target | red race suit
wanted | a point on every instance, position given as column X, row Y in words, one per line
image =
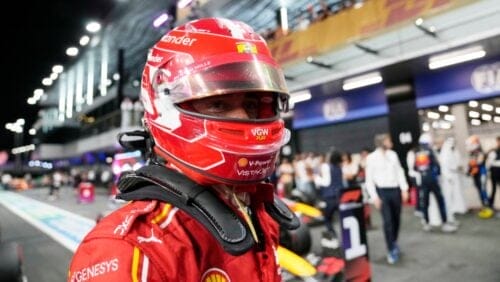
column 156, row 241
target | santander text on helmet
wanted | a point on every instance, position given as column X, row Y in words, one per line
column 182, row 40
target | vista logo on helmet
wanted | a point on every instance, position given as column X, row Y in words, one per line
column 183, row 40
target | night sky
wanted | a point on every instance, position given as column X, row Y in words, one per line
column 34, row 41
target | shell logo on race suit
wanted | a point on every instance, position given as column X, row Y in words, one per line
column 215, row 275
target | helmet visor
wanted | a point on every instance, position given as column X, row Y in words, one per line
column 238, row 77
column 257, row 106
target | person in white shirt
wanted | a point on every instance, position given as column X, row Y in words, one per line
column 350, row 169
column 387, row 186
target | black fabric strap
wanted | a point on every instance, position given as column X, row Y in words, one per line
column 280, row 212
column 155, row 182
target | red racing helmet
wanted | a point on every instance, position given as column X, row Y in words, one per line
column 207, row 58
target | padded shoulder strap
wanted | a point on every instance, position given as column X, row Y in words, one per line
column 280, row 212
column 160, row 183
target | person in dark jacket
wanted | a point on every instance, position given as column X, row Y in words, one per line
column 429, row 170
column 329, row 183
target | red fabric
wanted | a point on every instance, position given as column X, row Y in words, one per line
column 331, row 265
column 154, row 241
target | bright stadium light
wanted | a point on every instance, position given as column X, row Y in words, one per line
column 300, row 96
column 362, row 81
column 455, row 57
column 47, row 81
column 57, row 69
column 160, row 20
column 72, row 51
column 93, row 27
column 38, row 93
column 84, row 40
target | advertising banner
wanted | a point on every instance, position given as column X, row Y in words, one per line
column 350, row 24
column 352, row 105
column 473, row 81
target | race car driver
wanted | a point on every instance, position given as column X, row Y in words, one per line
column 201, row 210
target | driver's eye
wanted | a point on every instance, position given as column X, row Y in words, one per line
column 251, row 107
column 217, row 106
column 211, row 107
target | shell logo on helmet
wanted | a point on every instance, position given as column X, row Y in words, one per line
column 243, row 162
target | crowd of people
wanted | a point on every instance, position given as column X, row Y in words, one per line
column 436, row 173
column 312, row 13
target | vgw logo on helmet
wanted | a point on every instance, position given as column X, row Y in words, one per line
column 260, row 133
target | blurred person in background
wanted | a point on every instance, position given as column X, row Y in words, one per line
column 55, row 185
column 199, row 211
column 428, row 169
column 329, row 182
column 493, row 163
column 350, row 169
column 387, row 186
column 415, row 181
column 299, row 167
column 324, row 10
column 285, row 176
column 138, row 113
column 360, row 178
column 362, row 165
column 77, row 178
column 6, row 179
column 126, row 108
column 302, row 23
column 451, row 176
column 477, row 170
column 304, row 178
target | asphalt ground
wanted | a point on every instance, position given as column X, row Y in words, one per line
column 471, row 254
